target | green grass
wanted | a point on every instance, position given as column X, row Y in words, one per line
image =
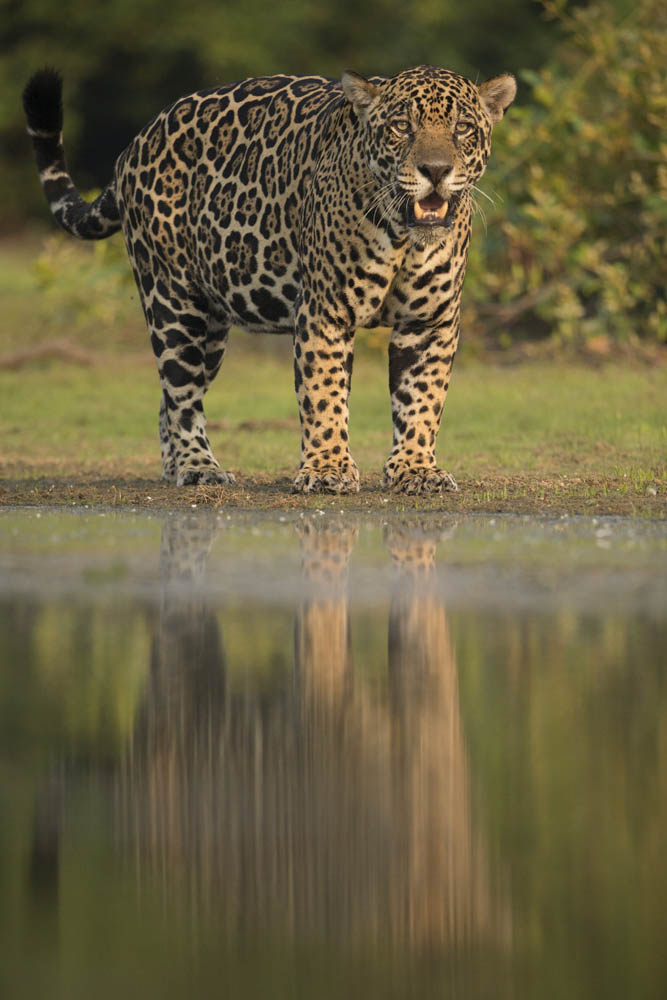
column 509, row 433
column 537, row 419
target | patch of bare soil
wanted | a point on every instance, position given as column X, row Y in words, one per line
column 495, row 494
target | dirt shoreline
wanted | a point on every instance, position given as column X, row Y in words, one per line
column 496, row 494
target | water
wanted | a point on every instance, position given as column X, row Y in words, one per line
column 326, row 756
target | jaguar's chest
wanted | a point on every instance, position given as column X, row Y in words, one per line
column 422, row 286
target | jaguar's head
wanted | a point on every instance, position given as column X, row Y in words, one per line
column 427, row 138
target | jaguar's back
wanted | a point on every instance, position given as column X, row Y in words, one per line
column 215, row 184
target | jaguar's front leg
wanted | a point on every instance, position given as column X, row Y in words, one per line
column 322, row 376
column 420, row 363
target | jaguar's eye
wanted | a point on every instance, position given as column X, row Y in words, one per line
column 401, row 126
column 464, row 128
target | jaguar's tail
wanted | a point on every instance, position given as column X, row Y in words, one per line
column 42, row 102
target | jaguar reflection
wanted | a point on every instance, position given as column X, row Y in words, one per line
column 334, row 804
column 314, row 756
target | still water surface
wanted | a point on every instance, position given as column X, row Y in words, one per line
column 326, row 756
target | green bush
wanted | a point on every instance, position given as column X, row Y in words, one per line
column 124, row 61
column 86, row 290
column 576, row 244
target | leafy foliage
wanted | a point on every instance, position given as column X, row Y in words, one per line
column 574, row 241
column 124, row 61
column 577, row 246
column 85, row 293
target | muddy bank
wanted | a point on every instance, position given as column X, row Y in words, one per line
column 496, row 494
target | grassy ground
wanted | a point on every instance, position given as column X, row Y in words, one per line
column 81, row 426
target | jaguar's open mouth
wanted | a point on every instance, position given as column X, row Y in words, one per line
column 430, row 211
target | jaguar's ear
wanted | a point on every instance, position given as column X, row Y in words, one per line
column 497, row 94
column 360, row 93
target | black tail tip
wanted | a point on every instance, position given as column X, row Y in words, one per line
column 42, row 101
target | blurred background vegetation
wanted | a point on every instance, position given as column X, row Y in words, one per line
column 570, row 248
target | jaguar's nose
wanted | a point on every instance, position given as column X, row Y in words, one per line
column 435, row 170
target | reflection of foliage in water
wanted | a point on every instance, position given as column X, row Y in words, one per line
column 575, row 791
column 73, row 677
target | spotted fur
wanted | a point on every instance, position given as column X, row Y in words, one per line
column 296, row 205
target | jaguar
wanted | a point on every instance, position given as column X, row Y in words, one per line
column 301, row 205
